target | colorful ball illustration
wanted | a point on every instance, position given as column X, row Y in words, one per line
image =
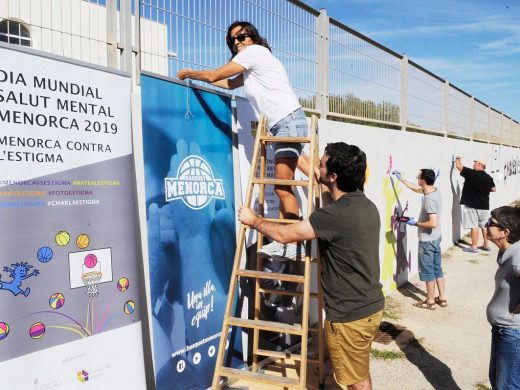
column 129, row 307
column 4, row 330
column 62, row 238
column 56, row 300
column 44, row 254
column 90, row 260
column 123, row 284
column 82, row 241
column 37, row 330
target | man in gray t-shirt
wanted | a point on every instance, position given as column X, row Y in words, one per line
column 429, row 231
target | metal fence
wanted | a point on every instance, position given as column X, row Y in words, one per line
column 335, row 71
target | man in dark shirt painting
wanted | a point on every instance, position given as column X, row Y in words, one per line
column 348, row 230
column 475, row 198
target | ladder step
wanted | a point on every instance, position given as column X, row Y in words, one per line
column 279, row 354
column 270, row 138
column 281, row 182
column 281, row 220
column 270, row 326
column 287, row 292
column 257, row 377
column 270, row 276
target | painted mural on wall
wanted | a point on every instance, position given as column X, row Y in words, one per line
column 388, row 150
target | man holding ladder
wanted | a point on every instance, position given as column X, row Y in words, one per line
column 348, row 230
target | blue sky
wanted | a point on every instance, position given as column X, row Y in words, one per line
column 475, row 44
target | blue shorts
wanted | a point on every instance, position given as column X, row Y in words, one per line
column 293, row 125
column 430, row 260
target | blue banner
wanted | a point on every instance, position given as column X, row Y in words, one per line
column 191, row 227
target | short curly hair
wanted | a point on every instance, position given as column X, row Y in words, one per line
column 349, row 163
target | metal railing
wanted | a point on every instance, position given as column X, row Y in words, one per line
column 335, row 71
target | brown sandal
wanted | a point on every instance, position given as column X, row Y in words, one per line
column 441, row 302
column 425, row 305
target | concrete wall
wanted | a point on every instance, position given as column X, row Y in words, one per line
column 388, row 150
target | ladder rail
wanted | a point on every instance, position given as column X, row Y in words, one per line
column 259, row 243
column 321, row 305
column 236, row 263
column 307, row 272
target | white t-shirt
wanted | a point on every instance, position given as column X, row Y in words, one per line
column 266, row 84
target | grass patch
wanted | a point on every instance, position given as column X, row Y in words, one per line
column 386, row 355
column 391, row 310
column 392, row 315
column 473, row 261
column 481, row 386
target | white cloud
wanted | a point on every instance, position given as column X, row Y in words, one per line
column 506, row 45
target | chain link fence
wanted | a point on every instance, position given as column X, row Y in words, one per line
column 336, row 72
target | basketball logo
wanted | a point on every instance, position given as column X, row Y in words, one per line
column 56, row 300
column 37, row 330
column 44, row 254
column 122, row 284
column 4, row 330
column 129, row 307
column 62, row 238
column 82, row 241
column 90, row 260
column 194, row 184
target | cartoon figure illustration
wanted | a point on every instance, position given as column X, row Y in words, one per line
column 19, row 272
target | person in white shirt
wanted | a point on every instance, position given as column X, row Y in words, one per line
column 268, row 89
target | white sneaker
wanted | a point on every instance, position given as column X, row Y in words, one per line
column 290, row 251
column 272, row 249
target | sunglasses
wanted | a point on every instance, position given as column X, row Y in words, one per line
column 491, row 223
column 239, row 37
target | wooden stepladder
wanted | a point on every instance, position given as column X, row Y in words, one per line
column 303, row 293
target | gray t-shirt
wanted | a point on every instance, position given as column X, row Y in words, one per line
column 431, row 204
column 506, row 299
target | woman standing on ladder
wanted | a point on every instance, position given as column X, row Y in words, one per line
column 268, row 89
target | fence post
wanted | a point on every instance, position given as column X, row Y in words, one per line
column 403, row 119
column 471, row 120
column 446, row 107
column 112, row 49
column 322, row 61
column 137, row 26
column 488, row 124
column 125, row 25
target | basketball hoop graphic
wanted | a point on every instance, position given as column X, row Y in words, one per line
column 91, row 274
column 91, row 280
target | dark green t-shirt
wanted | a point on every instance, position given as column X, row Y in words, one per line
column 348, row 237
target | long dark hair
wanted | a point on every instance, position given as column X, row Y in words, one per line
column 248, row 29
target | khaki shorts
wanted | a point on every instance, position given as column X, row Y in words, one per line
column 349, row 347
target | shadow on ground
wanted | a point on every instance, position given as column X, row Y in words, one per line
column 411, row 291
column 436, row 372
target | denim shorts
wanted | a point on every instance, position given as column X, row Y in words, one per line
column 504, row 363
column 430, row 260
column 293, row 125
